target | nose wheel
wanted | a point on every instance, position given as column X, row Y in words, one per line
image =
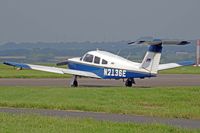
column 129, row 82
column 74, row 82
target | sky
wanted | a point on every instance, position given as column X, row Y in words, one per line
column 97, row 20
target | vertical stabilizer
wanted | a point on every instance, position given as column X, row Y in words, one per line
column 152, row 59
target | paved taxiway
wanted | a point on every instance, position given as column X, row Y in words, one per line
column 161, row 80
column 184, row 123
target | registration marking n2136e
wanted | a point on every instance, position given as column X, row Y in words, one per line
column 114, row 72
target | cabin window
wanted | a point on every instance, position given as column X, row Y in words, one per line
column 88, row 58
column 97, row 60
column 104, row 62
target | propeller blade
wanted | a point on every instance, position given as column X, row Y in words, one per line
column 62, row 63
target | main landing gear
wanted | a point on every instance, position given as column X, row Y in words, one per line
column 129, row 82
column 74, row 82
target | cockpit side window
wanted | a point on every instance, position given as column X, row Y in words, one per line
column 104, row 62
column 97, row 60
column 88, row 58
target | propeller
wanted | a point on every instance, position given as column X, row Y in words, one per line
column 62, row 63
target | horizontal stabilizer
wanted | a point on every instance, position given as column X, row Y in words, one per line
column 154, row 41
column 174, row 65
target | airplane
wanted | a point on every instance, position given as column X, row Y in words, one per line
column 105, row 65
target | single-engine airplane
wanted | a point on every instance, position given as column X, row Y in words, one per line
column 105, row 65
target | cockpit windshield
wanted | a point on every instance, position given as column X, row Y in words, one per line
column 88, row 58
column 93, row 59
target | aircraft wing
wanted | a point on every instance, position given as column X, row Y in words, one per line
column 173, row 65
column 52, row 69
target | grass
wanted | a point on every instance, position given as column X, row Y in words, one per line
column 182, row 70
column 172, row 102
column 11, row 72
column 10, row 123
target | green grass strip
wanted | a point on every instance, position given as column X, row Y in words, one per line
column 10, row 72
column 10, row 123
column 173, row 102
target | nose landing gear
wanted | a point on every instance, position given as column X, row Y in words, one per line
column 74, row 82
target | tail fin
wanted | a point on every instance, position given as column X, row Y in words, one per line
column 152, row 59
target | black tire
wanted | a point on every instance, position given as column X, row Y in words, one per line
column 75, row 84
column 129, row 82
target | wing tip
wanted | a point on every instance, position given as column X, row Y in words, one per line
column 186, row 63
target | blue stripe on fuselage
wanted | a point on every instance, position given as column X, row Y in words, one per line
column 108, row 73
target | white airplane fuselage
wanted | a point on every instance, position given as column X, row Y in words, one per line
column 108, row 66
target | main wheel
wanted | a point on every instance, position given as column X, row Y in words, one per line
column 129, row 82
column 75, row 83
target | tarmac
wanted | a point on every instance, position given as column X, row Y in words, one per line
column 163, row 80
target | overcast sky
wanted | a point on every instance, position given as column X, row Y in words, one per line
column 97, row 20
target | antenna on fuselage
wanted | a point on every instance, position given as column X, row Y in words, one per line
column 128, row 55
column 118, row 52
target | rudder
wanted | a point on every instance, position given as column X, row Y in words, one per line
column 152, row 59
